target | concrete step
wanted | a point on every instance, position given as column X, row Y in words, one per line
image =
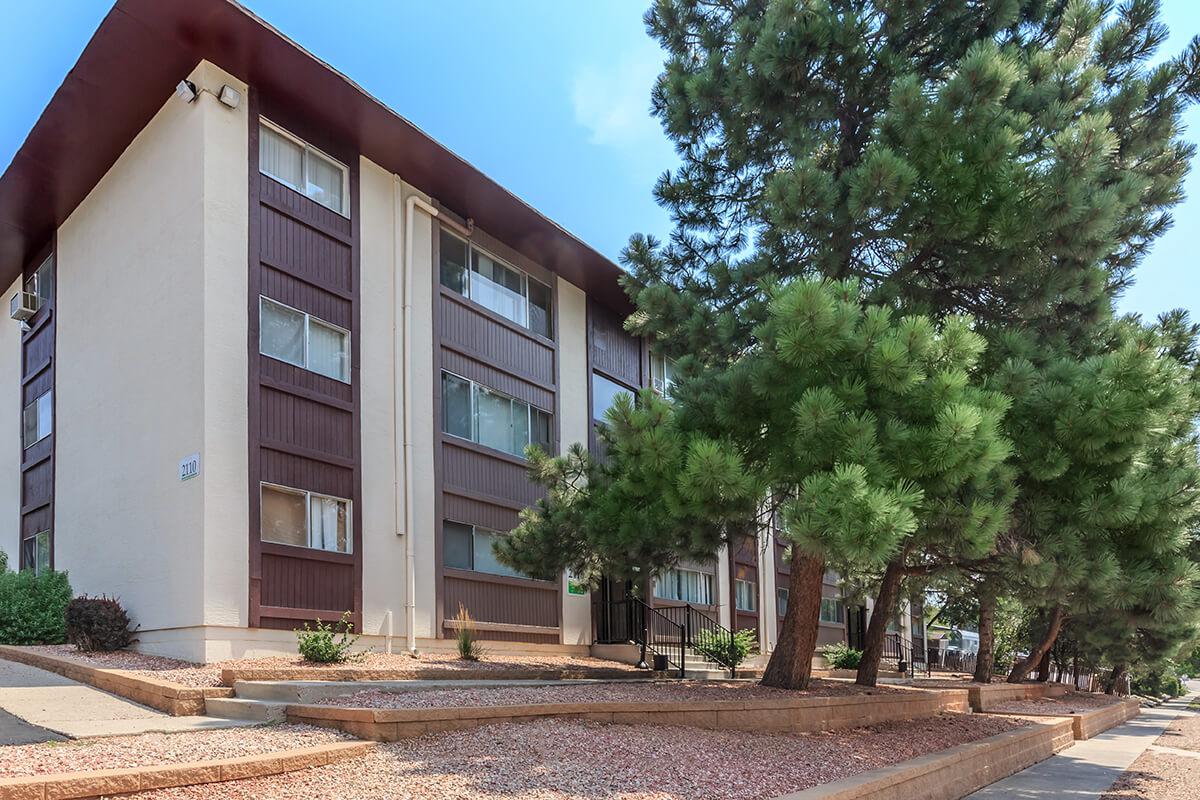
column 238, row 708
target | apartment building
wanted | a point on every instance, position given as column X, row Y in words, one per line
column 278, row 354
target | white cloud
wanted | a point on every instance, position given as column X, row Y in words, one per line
column 613, row 101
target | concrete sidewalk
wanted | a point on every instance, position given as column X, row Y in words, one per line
column 1088, row 769
column 41, row 704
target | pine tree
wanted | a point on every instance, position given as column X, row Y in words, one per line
column 1011, row 159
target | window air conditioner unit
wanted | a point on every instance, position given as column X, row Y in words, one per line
column 23, row 305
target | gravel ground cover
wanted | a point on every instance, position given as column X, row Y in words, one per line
column 1183, row 734
column 186, row 673
column 1070, row 703
column 682, row 691
column 1158, row 776
column 574, row 760
column 153, row 749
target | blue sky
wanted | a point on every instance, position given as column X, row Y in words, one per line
column 550, row 98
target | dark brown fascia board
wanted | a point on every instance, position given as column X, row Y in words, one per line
column 143, row 48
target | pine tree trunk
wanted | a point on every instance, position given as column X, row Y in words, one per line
column 1114, row 680
column 1075, row 668
column 790, row 666
column 885, row 606
column 986, row 659
column 1022, row 668
column 1043, row 674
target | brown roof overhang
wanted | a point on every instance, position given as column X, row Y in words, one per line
column 143, row 48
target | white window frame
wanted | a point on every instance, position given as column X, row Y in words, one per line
column 785, row 593
column 676, row 573
column 667, row 367
column 36, row 405
column 488, row 532
column 308, row 320
column 529, row 409
column 307, row 148
column 308, row 527
column 838, row 608
column 753, row 595
column 525, row 279
column 33, row 566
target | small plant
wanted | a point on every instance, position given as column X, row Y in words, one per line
column 469, row 648
column 98, row 623
column 729, row 650
column 842, row 656
column 32, row 607
column 326, row 644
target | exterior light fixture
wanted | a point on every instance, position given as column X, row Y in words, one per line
column 186, row 91
column 230, row 96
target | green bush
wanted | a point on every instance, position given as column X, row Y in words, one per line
column 842, row 656
column 1156, row 682
column 319, row 645
column 32, row 607
column 98, row 623
column 725, row 649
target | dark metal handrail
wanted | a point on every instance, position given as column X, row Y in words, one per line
column 700, row 628
column 632, row 620
column 897, row 648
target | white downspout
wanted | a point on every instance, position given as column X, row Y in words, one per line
column 403, row 412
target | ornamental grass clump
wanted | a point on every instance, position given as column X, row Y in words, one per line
column 320, row 645
column 469, row 647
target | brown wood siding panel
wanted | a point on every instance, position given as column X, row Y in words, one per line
column 314, row 300
column 507, row 636
column 41, row 383
column 37, row 520
column 494, row 343
column 503, row 603
column 304, row 427
column 499, row 380
column 614, row 351
column 299, row 422
column 304, row 583
column 37, row 483
column 477, row 472
column 39, row 348
column 478, row 512
column 285, row 375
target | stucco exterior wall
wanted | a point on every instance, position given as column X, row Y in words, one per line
column 152, row 367
column 10, row 434
column 574, row 427
column 383, row 198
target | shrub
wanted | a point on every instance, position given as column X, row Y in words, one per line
column 469, row 648
column 32, row 606
column 1156, row 682
column 842, row 656
column 98, row 623
column 725, row 649
column 318, row 644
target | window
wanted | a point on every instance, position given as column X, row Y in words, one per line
column 495, row 285
column 35, row 552
column 832, row 611
column 662, row 374
column 301, row 339
column 305, row 519
column 302, row 167
column 38, row 419
column 781, row 601
column 745, row 595
column 470, row 547
column 41, row 282
column 604, row 395
column 484, row 416
column 688, row 585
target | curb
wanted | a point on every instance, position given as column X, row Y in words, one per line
column 101, row 782
column 798, row 715
column 172, row 698
column 950, row 774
